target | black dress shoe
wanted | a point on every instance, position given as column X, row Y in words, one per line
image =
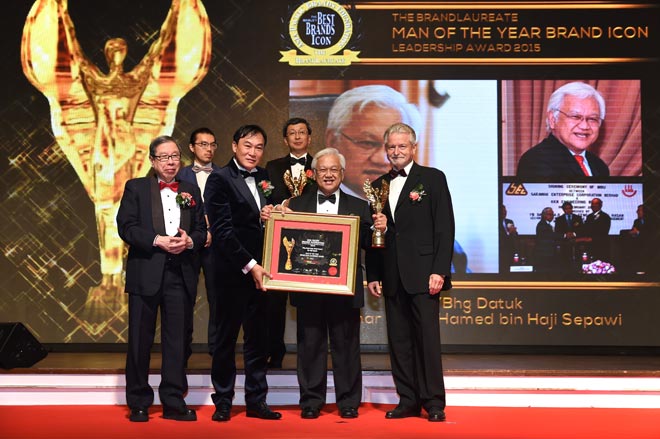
column 402, row 412
column 139, row 415
column 348, row 413
column 436, row 414
column 222, row 413
column 309, row 413
column 179, row 413
column 262, row 411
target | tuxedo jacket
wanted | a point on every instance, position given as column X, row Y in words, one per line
column 551, row 159
column 276, row 169
column 421, row 241
column 597, row 228
column 235, row 222
column 348, row 205
column 139, row 219
column 562, row 225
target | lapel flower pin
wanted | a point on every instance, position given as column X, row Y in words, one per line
column 266, row 187
column 309, row 174
column 417, row 194
column 185, row 200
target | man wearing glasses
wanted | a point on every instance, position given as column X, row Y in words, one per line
column 297, row 134
column 203, row 146
column 574, row 116
column 162, row 221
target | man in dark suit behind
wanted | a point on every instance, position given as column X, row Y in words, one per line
column 414, row 267
column 545, row 249
column 597, row 227
column 297, row 134
column 320, row 316
column 203, row 146
column 162, row 221
column 574, row 115
column 568, row 227
column 234, row 197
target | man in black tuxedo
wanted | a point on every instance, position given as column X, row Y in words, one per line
column 162, row 220
column 234, row 197
column 545, row 249
column 414, row 267
column 597, row 227
column 574, row 115
column 320, row 316
column 568, row 227
column 203, row 146
column 297, row 134
column 508, row 240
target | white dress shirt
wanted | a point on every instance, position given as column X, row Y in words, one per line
column 396, row 186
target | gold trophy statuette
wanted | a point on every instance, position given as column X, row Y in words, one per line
column 377, row 199
column 104, row 122
column 295, row 185
column 288, row 245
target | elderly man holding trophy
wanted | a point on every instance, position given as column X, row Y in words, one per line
column 414, row 266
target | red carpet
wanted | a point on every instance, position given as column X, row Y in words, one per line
column 73, row 422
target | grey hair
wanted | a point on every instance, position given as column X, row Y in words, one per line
column 382, row 96
column 329, row 151
column 403, row 129
column 580, row 90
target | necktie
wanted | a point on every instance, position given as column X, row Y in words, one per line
column 580, row 161
column 331, row 198
column 245, row 174
column 394, row 173
column 174, row 185
column 196, row 169
column 568, row 218
column 301, row 161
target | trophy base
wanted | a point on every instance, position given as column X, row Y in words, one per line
column 377, row 245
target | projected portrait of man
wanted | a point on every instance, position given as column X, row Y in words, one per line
column 104, row 121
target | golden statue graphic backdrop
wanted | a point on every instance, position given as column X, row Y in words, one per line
column 103, row 122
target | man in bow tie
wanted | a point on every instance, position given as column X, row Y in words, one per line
column 323, row 316
column 297, row 133
column 203, row 146
column 234, row 196
column 162, row 221
column 414, row 266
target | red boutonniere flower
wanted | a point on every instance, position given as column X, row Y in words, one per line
column 185, row 200
column 266, row 187
column 309, row 173
column 417, row 194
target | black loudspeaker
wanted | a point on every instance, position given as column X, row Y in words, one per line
column 18, row 347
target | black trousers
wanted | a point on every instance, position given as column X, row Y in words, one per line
column 413, row 331
column 176, row 308
column 276, row 310
column 319, row 318
column 238, row 307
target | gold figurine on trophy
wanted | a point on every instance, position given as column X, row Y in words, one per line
column 295, row 185
column 377, row 199
column 104, row 122
column 288, row 246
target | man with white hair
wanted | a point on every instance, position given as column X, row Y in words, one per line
column 356, row 123
column 574, row 116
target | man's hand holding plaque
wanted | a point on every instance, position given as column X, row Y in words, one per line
column 377, row 199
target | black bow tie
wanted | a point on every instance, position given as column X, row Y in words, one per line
column 331, row 198
column 246, row 174
column 301, row 161
column 394, row 173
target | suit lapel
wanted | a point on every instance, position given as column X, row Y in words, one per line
column 411, row 182
column 241, row 186
column 157, row 216
column 185, row 220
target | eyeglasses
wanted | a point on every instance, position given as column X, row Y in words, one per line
column 164, row 157
column 592, row 121
column 300, row 133
column 367, row 145
column 333, row 171
column 212, row 145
